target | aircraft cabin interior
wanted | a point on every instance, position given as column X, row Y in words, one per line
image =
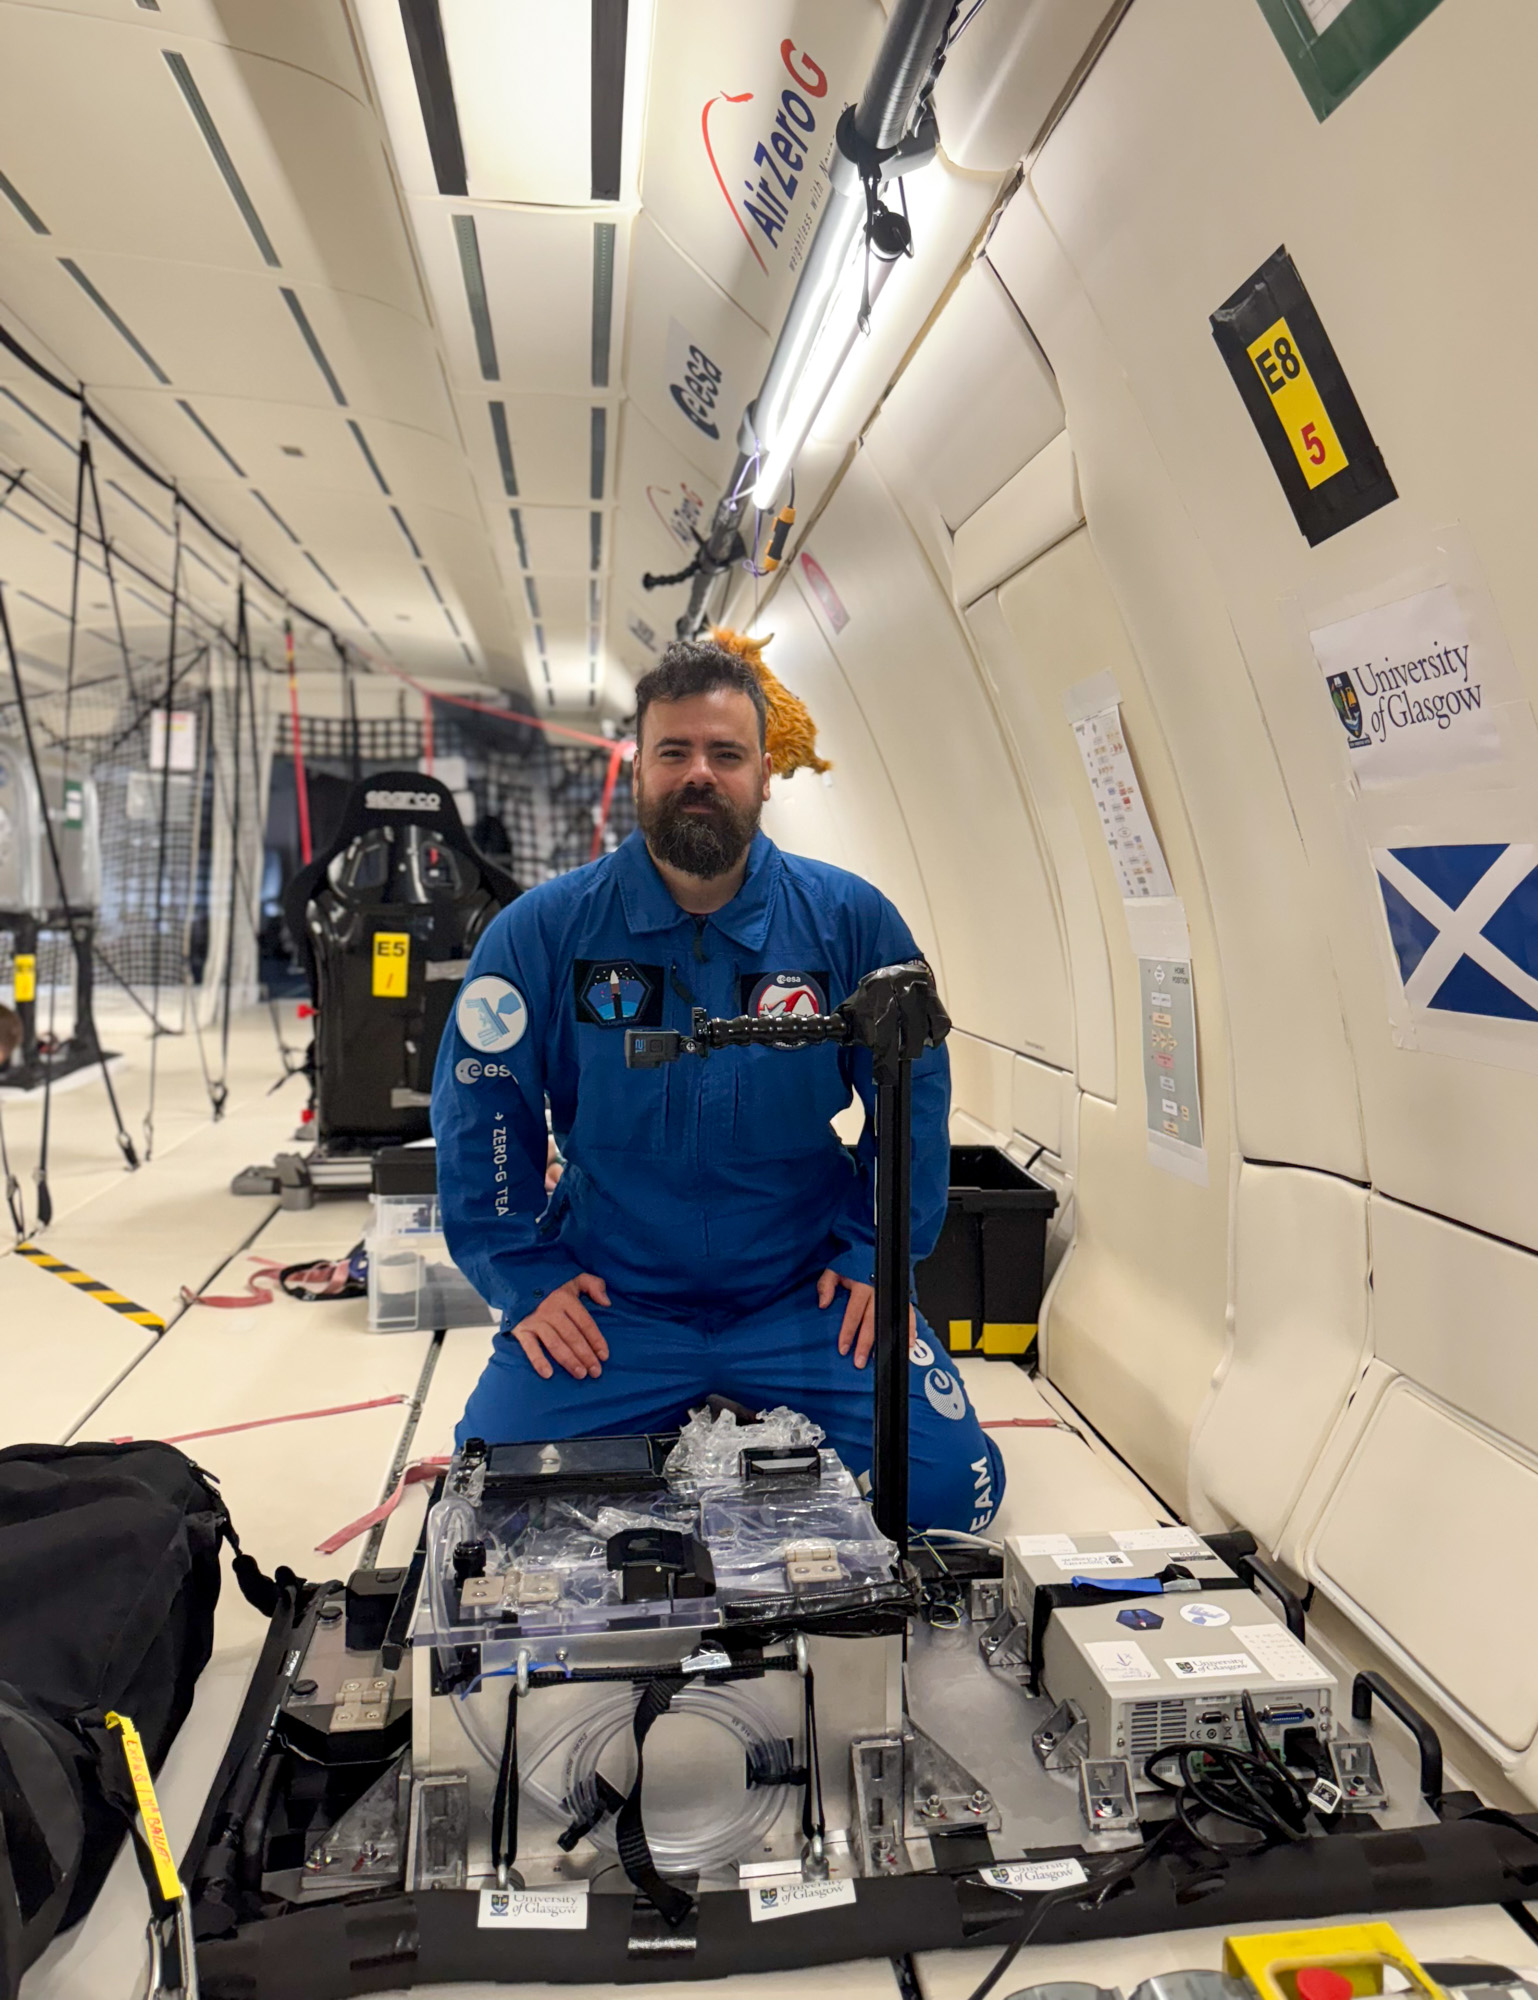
column 768, row 999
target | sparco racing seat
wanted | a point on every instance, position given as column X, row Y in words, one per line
column 385, row 920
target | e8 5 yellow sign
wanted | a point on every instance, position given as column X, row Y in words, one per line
column 1292, row 383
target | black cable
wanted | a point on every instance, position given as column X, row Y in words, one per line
column 1093, row 1892
column 1251, row 1789
column 504, row 1805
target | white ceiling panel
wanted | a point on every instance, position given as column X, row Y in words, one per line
column 693, row 358
column 558, row 539
column 313, row 37
column 1007, row 71
column 538, row 268
column 521, row 71
column 715, row 97
column 551, row 441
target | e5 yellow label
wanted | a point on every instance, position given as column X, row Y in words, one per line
column 26, row 977
column 1298, row 405
column 392, row 964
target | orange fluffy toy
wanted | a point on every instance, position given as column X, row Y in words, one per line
column 791, row 735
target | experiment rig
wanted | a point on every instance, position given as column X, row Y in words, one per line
column 692, row 1705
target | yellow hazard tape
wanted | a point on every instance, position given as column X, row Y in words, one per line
column 149, row 1807
column 92, row 1287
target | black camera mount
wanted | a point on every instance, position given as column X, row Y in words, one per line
column 896, row 1014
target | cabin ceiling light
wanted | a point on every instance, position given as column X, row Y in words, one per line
column 858, row 240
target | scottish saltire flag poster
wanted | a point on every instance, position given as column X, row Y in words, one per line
column 1462, row 922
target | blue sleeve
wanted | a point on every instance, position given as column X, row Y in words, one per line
column 888, row 941
column 489, row 1117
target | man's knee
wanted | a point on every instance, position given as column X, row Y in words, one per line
column 956, row 1479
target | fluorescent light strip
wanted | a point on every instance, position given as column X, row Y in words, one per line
column 598, row 437
column 23, row 207
column 42, row 422
column 13, row 513
column 133, row 501
column 354, row 613
column 411, row 540
column 539, row 637
column 432, row 583
column 603, row 300
column 532, row 594
column 65, row 549
column 262, row 501
column 139, row 598
column 314, row 565
column 317, row 352
column 610, row 19
column 469, row 245
column 523, row 548
column 191, row 414
column 469, row 656
column 595, row 541
column 500, row 432
column 369, row 458
column 592, row 600
column 549, row 692
column 237, row 187
column 450, row 617
column 115, row 320
column 435, row 92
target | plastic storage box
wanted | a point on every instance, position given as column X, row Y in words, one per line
column 412, row 1280
column 981, row 1288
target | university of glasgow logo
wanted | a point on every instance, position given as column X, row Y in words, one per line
column 1348, row 707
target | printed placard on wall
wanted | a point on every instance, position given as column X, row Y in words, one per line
column 1412, row 687
column 1333, row 45
column 1094, row 710
column 1295, row 389
column 1167, row 1033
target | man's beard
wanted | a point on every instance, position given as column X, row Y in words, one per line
column 699, row 843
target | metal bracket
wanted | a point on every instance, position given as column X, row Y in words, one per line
column 1062, row 1742
column 906, row 1787
column 1007, row 1641
column 1108, row 1803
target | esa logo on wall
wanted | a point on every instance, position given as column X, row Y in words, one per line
column 771, row 993
column 491, row 1014
column 694, row 381
column 618, row 993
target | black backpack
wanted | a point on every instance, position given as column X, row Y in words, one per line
column 109, row 1574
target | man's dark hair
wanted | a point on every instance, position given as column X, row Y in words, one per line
column 698, row 666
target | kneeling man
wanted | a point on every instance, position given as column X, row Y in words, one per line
column 710, row 1235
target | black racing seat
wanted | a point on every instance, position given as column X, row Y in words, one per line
column 385, row 920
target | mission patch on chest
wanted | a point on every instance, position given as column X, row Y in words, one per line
column 617, row 993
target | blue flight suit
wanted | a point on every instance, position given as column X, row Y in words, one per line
column 707, row 1194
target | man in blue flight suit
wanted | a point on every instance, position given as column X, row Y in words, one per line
column 710, row 1235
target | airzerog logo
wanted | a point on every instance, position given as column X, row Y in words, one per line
column 780, row 160
column 402, row 802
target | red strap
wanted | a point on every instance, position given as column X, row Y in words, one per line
column 261, row 1423
column 1026, row 1424
column 258, row 1290
column 416, row 1474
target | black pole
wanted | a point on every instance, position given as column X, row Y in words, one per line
column 889, row 1455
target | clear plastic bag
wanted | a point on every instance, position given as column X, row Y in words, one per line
column 709, row 1449
column 812, row 1540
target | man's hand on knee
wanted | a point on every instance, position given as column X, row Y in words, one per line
column 859, row 1325
column 563, row 1329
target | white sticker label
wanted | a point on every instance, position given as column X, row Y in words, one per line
column 491, row 1015
column 1037, row 1875
column 1204, row 1614
column 1042, row 1545
column 533, row 1910
column 1281, row 1655
column 1121, row 1660
column 1102, row 1559
column 1216, row 1666
column 1180, row 1539
column 795, row 1899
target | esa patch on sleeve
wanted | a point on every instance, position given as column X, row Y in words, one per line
column 617, row 993
column 783, row 992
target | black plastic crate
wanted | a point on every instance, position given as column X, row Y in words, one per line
column 981, row 1288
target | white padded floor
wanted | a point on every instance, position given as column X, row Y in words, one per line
column 73, row 1368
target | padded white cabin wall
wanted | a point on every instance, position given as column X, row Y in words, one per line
column 1187, row 157
column 908, row 664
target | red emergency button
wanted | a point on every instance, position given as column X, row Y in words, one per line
column 1323, row 1982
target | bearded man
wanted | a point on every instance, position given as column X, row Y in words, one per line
column 710, row 1234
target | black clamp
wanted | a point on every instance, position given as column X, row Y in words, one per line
column 657, row 1564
